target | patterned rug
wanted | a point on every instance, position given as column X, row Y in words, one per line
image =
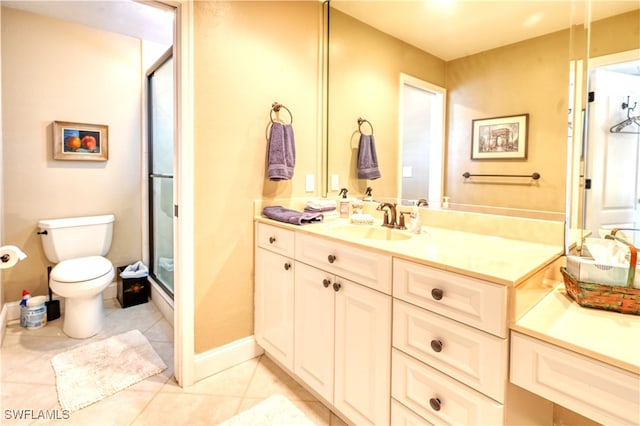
column 273, row 411
column 88, row 373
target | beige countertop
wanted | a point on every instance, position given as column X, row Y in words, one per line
column 496, row 259
column 610, row 337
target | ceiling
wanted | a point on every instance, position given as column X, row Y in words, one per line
column 451, row 29
column 448, row 29
column 125, row 17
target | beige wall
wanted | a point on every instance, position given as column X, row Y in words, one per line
column 531, row 77
column 247, row 55
column 67, row 72
column 364, row 69
column 616, row 34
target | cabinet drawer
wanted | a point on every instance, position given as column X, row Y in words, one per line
column 439, row 398
column 473, row 302
column 275, row 239
column 591, row 388
column 475, row 358
column 402, row 416
column 362, row 266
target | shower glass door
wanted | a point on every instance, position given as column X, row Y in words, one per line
column 161, row 140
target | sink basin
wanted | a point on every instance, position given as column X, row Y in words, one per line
column 370, row 233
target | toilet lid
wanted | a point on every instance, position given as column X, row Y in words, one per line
column 81, row 269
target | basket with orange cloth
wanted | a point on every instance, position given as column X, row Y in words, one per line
column 624, row 299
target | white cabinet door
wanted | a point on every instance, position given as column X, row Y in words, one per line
column 363, row 354
column 314, row 328
column 274, row 305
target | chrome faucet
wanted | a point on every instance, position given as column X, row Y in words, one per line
column 390, row 218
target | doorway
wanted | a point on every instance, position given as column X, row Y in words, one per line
column 421, row 140
column 613, row 147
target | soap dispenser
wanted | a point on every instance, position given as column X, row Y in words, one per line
column 416, row 220
column 344, row 203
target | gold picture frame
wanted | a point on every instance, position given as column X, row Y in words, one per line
column 500, row 138
column 82, row 142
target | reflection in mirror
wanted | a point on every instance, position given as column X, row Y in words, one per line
column 486, row 71
column 611, row 154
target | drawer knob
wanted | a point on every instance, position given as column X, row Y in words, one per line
column 287, row 266
column 435, row 403
column 326, row 282
column 272, row 240
column 436, row 293
column 331, row 258
column 336, row 286
column 436, row 345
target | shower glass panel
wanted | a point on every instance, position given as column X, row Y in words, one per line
column 161, row 139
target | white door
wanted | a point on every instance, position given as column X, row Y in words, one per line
column 363, row 354
column 612, row 157
column 314, row 328
column 274, row 305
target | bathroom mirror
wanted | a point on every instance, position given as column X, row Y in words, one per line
column 516, row 61
column 609, row 157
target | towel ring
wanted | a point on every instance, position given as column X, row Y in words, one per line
column 275, row 107
column 361, row 121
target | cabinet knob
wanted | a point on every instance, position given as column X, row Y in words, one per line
column 436, row 345
column 272, row 240
column 331, row 258
column 436, row 293
column 287, row 266
column 326, row 282
column 435, row 403
column 336, row 286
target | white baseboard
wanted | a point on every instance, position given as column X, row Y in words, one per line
column 219, row 359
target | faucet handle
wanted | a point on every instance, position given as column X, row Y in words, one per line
column 401, row 225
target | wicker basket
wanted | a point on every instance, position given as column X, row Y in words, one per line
column 607, row 297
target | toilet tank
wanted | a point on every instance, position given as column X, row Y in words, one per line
column 73, row 237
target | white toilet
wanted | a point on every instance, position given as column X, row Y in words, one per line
column 77, row 246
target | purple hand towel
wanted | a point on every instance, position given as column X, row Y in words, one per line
column 294, row 217
column 367, row 158
column 282, row 152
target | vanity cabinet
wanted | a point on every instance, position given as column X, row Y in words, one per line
column 342, row 341
column 450, row 352
column 323, row 311
column 274, row 276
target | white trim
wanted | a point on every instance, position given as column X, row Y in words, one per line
column 184, row 290
column 614, row 58
column 219, row 359
column 436, row 151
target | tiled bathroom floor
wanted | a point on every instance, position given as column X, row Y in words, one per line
column 27, row 381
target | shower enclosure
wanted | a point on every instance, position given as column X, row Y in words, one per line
column 161, row 154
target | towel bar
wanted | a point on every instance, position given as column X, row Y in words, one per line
column 275, row 107
column 534, row 176
column 361, row 121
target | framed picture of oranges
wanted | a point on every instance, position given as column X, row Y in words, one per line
column 75, row 141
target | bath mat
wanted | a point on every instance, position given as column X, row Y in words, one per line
column 91, row 372
column 273, row 411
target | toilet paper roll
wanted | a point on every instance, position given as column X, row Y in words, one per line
column 10, row 255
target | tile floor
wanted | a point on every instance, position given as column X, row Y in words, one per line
column 27, row 381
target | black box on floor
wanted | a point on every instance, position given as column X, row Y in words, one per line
column 132, row 291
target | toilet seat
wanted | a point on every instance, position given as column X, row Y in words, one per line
column 81, row 269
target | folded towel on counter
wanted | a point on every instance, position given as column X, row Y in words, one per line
column 367, row 158
column 294, row 217
column 282, row 152
column 321, row 203
column 319, row 210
